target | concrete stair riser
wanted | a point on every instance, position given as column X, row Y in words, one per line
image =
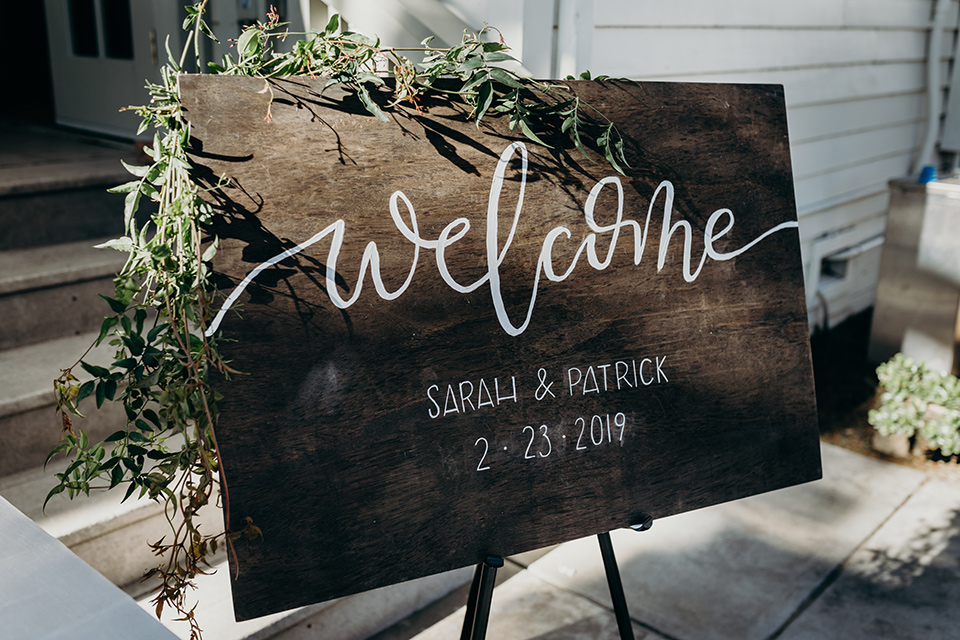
column 43, row 314
column 27, row 438
column 33, row 220
column 29, row 426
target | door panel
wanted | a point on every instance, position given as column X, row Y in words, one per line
column 101, row 53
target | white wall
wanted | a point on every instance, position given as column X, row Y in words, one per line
column 854, row 77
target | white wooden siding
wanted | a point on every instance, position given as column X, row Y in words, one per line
column 765, row 13
column 853, row 73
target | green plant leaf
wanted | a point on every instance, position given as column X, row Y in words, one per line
column 369, row 104
column 126, row 187
column 484, row 100
column 333, row 24
column 497, row 56
column 504, row 77
column 248, row 44
column 57, row 489
column 94, row 370
column 116, row 475
column 527, row 131
column 60, row 448
column 85, row 390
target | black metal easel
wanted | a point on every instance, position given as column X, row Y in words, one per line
column 485, row 575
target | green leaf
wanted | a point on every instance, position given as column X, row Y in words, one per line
column 126, row 187
column 527, row 131
column 116, row 436
column 210, row 251
column 137, row 170
column 126, row 363
column 134, row 343
column 484, row 100
column 73, row 467
column 248, row 44
column 152, row 416
column 156, row 331
column 85, row 390
column 504, row 77
column 372, row 78
column 116, row 476
column 130, row 489
column 101, row 393
column 369, row 104
column 498, row 57
column 94, row 370
column 57, row 489
column 124, row 244
column 471, row 63
column 107, row 324
column 333, row 24
column 115, row 305
column 130, row 206
column 63, row 446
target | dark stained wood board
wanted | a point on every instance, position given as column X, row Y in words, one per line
column 403, row 436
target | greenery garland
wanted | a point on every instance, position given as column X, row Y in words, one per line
column 168, row 450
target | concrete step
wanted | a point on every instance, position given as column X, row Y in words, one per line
column 29, row 427
column 51, row 291
column 53, row 186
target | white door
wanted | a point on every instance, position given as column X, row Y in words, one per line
column 103, row 51
column 101, row 54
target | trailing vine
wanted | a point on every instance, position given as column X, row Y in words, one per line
column 162, row 360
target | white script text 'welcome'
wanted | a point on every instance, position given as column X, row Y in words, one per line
column 495, row 253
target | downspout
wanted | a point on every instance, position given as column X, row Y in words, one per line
column 929, row 159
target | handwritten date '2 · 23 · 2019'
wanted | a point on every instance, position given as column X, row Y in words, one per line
column 538, row 442
column 495, row 254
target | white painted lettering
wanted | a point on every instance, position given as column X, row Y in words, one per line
column 570, row 377
column 660, row 373
column 496, row 384
column 622, row 377
column 465, row 398
column 495, row 251
column 642, row 379
column 484, row 391
column 435, row 412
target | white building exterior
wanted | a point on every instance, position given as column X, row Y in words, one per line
column 854, row 71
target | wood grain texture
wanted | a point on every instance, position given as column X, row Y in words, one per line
column 328, row 440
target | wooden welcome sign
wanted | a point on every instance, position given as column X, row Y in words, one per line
column 457, row 344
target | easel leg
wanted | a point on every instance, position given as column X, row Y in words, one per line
column 616, row 587
column 478, row 602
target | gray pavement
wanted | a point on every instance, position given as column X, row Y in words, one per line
column 871, row 551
